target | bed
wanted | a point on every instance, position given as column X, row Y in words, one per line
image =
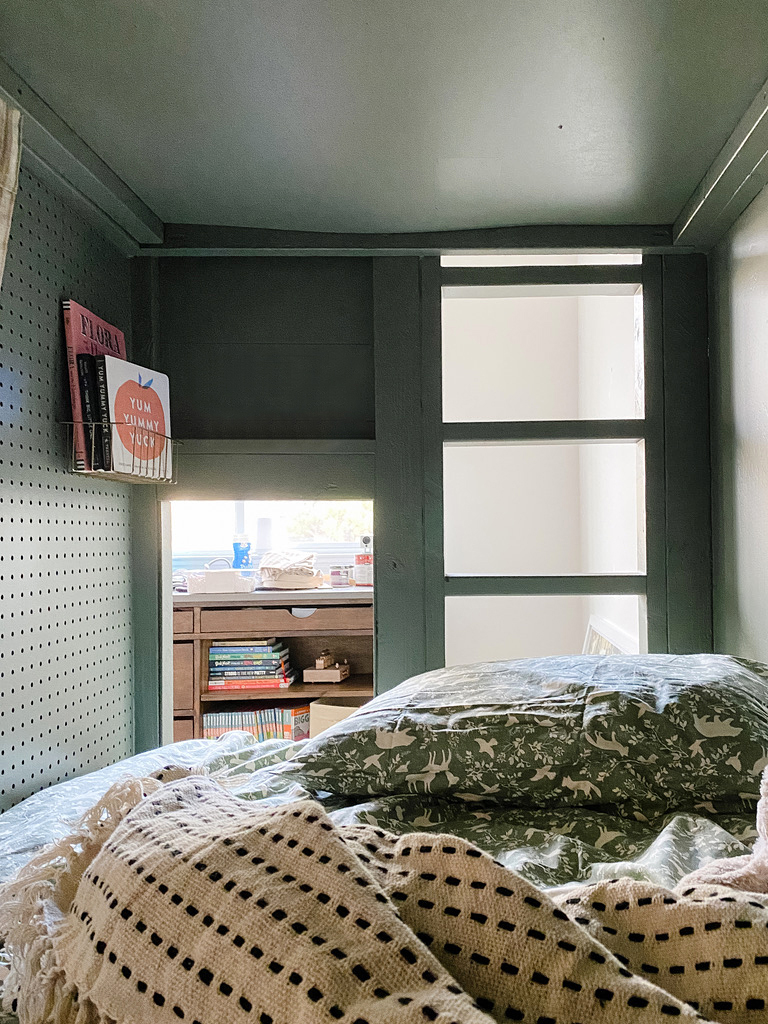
column 573, row 772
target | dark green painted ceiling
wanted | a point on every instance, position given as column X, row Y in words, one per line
column 397, row 114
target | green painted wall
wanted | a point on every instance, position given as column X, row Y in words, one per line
column 268, row 347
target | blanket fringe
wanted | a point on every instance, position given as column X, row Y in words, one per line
column 33, row 909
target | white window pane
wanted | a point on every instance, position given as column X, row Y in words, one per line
column 541, row 356
column 498, row 628
column 544, row 509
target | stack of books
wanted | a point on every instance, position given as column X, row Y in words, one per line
column 120, row 411
column 249, row 665
column 264, row 724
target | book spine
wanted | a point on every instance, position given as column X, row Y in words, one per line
column 247, row 655
column 243, row 663
column 86, row 371
column 257, row 666
column 252, row 673
column 242, row 652
column 249, row 684
column 275, row 683
column 262, row 666
column 103, row 411
column 278, row 652
column 235, row 647
column 78, row 431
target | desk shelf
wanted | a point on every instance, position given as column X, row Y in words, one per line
column 339, row 623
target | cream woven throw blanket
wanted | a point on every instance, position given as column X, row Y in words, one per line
column 196, row 906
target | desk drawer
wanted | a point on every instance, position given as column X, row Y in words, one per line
column 183, row 729
column 183, row 677
column 182, row 621
column 281, row 622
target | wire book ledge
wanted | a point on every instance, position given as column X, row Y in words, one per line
column 121, row 451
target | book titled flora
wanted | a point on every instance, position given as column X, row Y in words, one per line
column 138, row 408
column 87, row 336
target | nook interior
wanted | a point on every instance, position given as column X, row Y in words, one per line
column 505, row 282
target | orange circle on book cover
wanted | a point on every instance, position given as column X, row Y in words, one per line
column 140, row 419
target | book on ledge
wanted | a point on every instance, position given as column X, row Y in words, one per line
column 86, row 335
column 140, row 417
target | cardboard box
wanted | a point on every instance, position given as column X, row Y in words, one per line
column 327, row 711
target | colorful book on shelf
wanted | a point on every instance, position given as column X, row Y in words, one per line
column 86, row 334
column 264, row 723
column 223, row 661
column 237, row 654
column 140, row 414
column 244, row 646
column 273, row 683
column 283, row 676
column 252, row 671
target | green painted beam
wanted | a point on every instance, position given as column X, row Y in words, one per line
column 251, row 471
column 398, row 504
column 687, row 455
column 543, row 431
column 146, row 547
column 510, row 586
column 655, row 473
column 216, row 240
column 490, row 277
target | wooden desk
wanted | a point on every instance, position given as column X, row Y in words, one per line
column 341, row 618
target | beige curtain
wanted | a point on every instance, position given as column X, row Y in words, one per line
column 10, row 155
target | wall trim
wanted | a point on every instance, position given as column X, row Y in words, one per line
column 734, row 178
column 310, row 446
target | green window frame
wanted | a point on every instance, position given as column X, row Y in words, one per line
column 411, row 582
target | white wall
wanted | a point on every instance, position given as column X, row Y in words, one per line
column 510, row 358
column 612, row 490
column 739, row 394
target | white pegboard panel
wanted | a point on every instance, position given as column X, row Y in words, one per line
column 66, row 688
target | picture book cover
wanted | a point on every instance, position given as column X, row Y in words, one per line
column 86, row 334
column 139, row 410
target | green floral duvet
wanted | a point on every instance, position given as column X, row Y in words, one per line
column 550, row 848
column 565, row 769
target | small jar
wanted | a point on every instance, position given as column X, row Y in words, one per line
column 340, row 575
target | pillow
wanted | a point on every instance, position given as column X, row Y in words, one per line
column 637, row 735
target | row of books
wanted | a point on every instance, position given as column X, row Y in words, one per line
column 264, row 724
column 120, row 410
column 249, row 665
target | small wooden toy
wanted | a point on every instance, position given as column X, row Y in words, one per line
column 326, row 671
